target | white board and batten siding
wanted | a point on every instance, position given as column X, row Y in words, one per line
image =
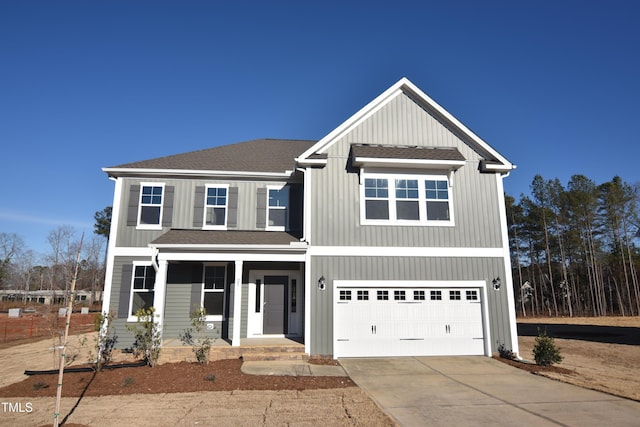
column 410, row 318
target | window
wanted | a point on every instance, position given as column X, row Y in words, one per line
column 436, row 295
column 418, row 295
column 383, row 295
column 399, row 295
column 142, row 291
column 405, row 199
column 150, row 205
column 345, row 295
column 407, row 204
column 472, row 295
column 278, row 208
column 213, row 290
column 437, row 196
column 454, row 295
column 363, row 295
column 215, row 213
column 376, row 196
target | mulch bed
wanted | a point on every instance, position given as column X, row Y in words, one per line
column 221, row 375
column 533, row 368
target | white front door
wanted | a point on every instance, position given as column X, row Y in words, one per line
column 274, row 304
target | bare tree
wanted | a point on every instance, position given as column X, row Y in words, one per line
column 11, row 246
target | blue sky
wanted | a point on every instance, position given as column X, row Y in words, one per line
column 552, row 85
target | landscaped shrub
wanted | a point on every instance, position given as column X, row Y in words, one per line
column 196, row 336
column 506, row 353
column 105, row 342
column 545, row 351
column 147, row 336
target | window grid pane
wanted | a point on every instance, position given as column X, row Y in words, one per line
column 363, row 295
column 383, row 295
column 399, row 295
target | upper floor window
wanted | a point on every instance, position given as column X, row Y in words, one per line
column 278, row 208
column 406, row 199
column 150, row 215
column 215, row 213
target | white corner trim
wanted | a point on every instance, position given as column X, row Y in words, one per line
column 506, row 253
column 406, row 251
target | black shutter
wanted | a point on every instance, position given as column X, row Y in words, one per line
column 134, row 201
column 198, row 208
column 125, row 291
column 196, row 287
column 295, row 209
column 232, row 207
column 261, row 211
column 167, row 210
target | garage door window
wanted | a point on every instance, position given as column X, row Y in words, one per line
column 436, row 295
column 454, row 295
column 363, row 295
column 399, row 295
column 472, row 295
column 418, row 295
column 383, row 295
column 345, row 295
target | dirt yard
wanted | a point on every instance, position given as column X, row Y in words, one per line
column 612, row 368
column 178, row 392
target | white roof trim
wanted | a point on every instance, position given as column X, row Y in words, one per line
column 193, row 173
column 403, row 85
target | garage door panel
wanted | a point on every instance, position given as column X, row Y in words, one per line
column 442, row 322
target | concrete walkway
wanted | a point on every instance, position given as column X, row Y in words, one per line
column 479, row 391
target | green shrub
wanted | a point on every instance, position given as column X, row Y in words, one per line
column 210, row 377
column 105, row 342
column 506, row 353
column 196, row 336
column 545, row 351
column 147, row 336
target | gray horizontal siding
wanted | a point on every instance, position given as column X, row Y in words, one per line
column 399, row 268
column 336, row 200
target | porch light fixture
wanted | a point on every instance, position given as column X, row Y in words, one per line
column 322, row 283
column 496, row 283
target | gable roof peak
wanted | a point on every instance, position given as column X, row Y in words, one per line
column 495, row 161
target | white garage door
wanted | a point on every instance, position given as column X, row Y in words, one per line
column 407, row 321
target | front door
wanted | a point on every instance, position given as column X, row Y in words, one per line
column 274, row 319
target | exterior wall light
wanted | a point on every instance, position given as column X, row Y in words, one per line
column 496, row 283
column 322, row 284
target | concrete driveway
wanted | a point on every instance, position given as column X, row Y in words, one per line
column 469, row 391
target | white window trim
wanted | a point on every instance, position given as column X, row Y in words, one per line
column 214, row 317
column 273, row 227
column 132, row 317
column 226, row 208
column 157, row 226
column 391, row 178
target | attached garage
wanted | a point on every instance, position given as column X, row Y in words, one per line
column 408, row 318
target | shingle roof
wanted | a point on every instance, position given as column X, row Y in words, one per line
column 226, row 237
column 405, row 152
column 260, row 155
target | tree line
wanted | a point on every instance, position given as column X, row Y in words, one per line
column 23, row 270
column 573, row 248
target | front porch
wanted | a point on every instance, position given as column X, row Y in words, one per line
column 249, row 349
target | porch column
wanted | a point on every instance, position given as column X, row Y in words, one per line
column 160, row 290
column 237, row 302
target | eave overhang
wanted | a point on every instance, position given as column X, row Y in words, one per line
column 187, row 173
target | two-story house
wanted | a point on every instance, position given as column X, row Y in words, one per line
column 386, row 237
